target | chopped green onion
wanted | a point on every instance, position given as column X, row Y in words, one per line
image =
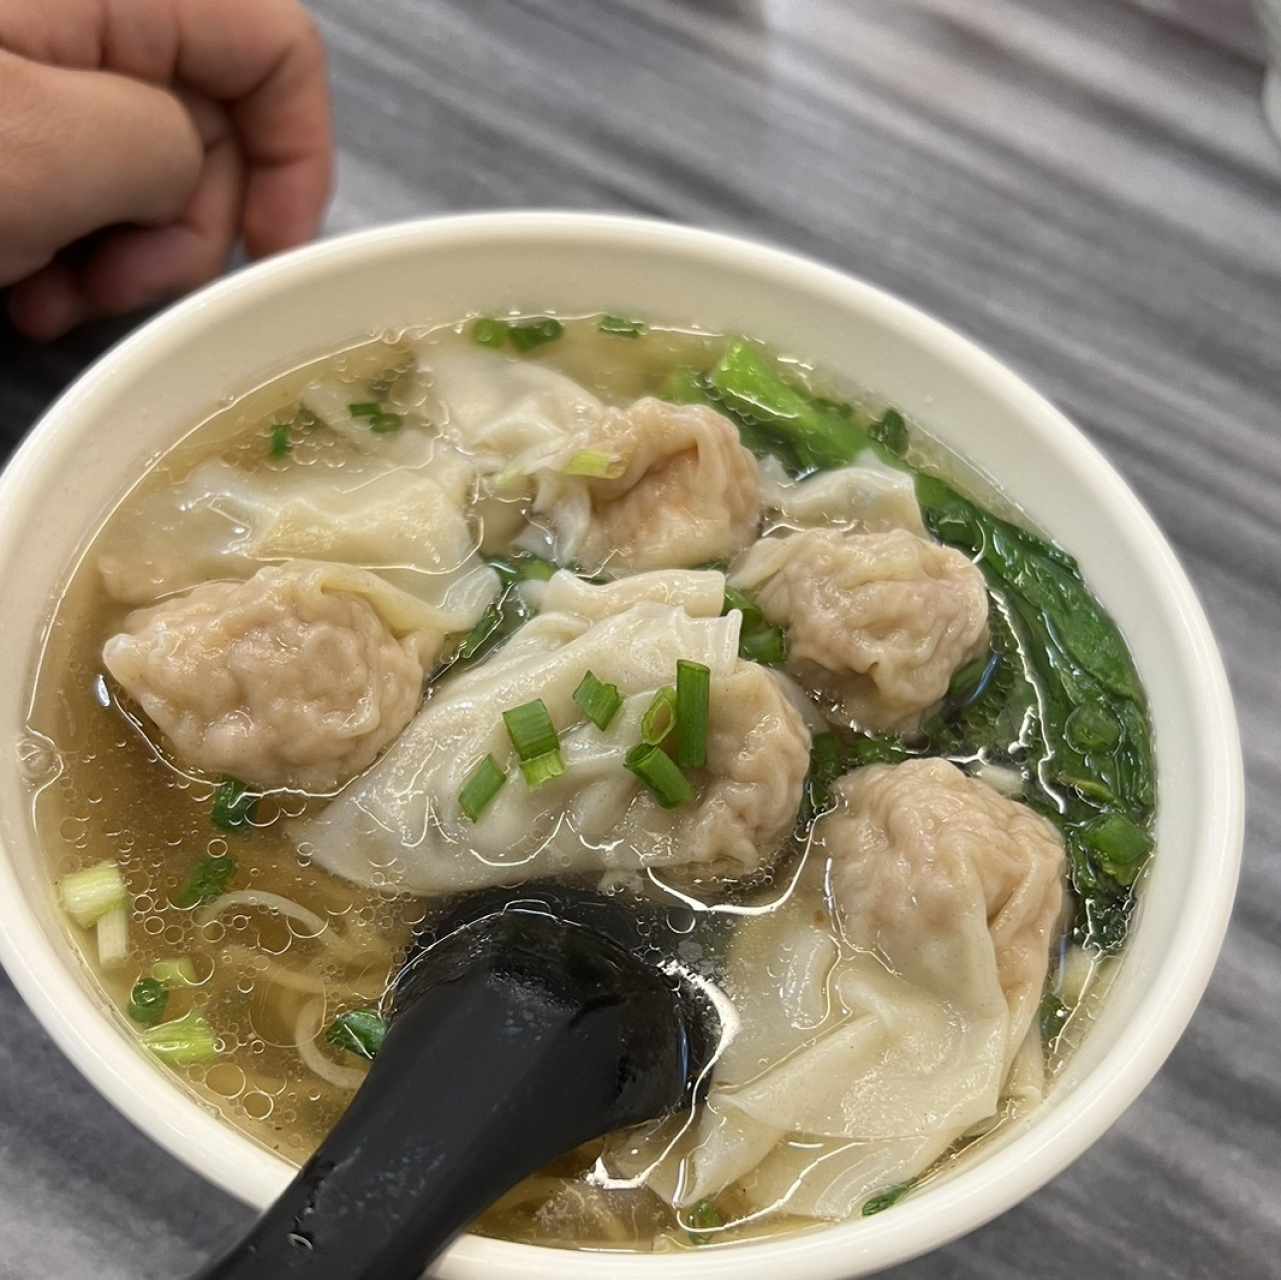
column 88, row 895
column 883, row 1200
column 703, row 1217
column 147, row 1002
column 599, row 466
column 598, row 701
column 209, row 880
column 365, row 409
column 358, row 1031
column 660, row 773
column 525, row 335
column 113, row 937
column 385, row 422
column 280, row 441
column 489, row 332
column 178, row 972
column 660, row 719
column 483, row 783
column 693, row 709
column 531, row 729
column 621, row 326
column 544, row 768
column 764, row 644
column 234, row 805
column 183, row 1042
column 891, row 432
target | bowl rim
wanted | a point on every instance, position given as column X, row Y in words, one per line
column 939, row 1214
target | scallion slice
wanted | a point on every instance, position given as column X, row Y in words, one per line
column 543, row 768
column 660, row 773
column 385, row 422
column 531, row 729
column 693, row 703
column 113, row 937
column 88, row 895
column 660, row 719
column 598, row 701
column 147, row 1002
column 365, row 409
column 183, row 1042
column 596, row 465
column 483, row 783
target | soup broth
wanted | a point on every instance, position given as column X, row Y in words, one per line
column 241, row 919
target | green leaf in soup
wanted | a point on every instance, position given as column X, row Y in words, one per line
column 808, row 432
column 358, row 1031
column 208, row 880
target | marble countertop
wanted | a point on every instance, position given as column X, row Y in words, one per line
column 1086, row 188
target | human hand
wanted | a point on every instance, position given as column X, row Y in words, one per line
column 171, row 129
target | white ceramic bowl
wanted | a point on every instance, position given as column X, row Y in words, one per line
column 172, row 372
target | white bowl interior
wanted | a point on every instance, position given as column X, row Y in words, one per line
column 179, row 368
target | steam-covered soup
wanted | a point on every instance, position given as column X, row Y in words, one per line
column 635, row 609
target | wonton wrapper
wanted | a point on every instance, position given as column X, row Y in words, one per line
column 688, row 494
column 298, row 677
column 410, row 524
column 868, row 497
column 879, row 622
column 859, row 1065
column 400, row 825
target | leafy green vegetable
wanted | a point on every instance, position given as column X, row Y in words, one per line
column 1090, row 722
column 147, row 1002
column 234, row 806
column 489, row 332
column 280, row 440
column 1051, row 1016
column 891, row 431
column 506, row 614
column 885, row 1199
column 773, row 416
column 525, row 335
column 209, row 880
column 703, row 1218
column 358, row 1031
column 834, row 754
column 758, row 641
column 622, row 327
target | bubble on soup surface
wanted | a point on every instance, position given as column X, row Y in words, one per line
column 257, row 1105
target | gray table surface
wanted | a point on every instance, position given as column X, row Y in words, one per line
column 1087, row 188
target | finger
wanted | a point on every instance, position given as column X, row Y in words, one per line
column 267, row 59
column 84, row 150
column 137, row 268
column 263, row 58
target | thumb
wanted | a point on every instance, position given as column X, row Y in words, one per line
column 81, row 150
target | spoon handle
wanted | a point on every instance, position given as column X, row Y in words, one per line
column 521, row 1039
